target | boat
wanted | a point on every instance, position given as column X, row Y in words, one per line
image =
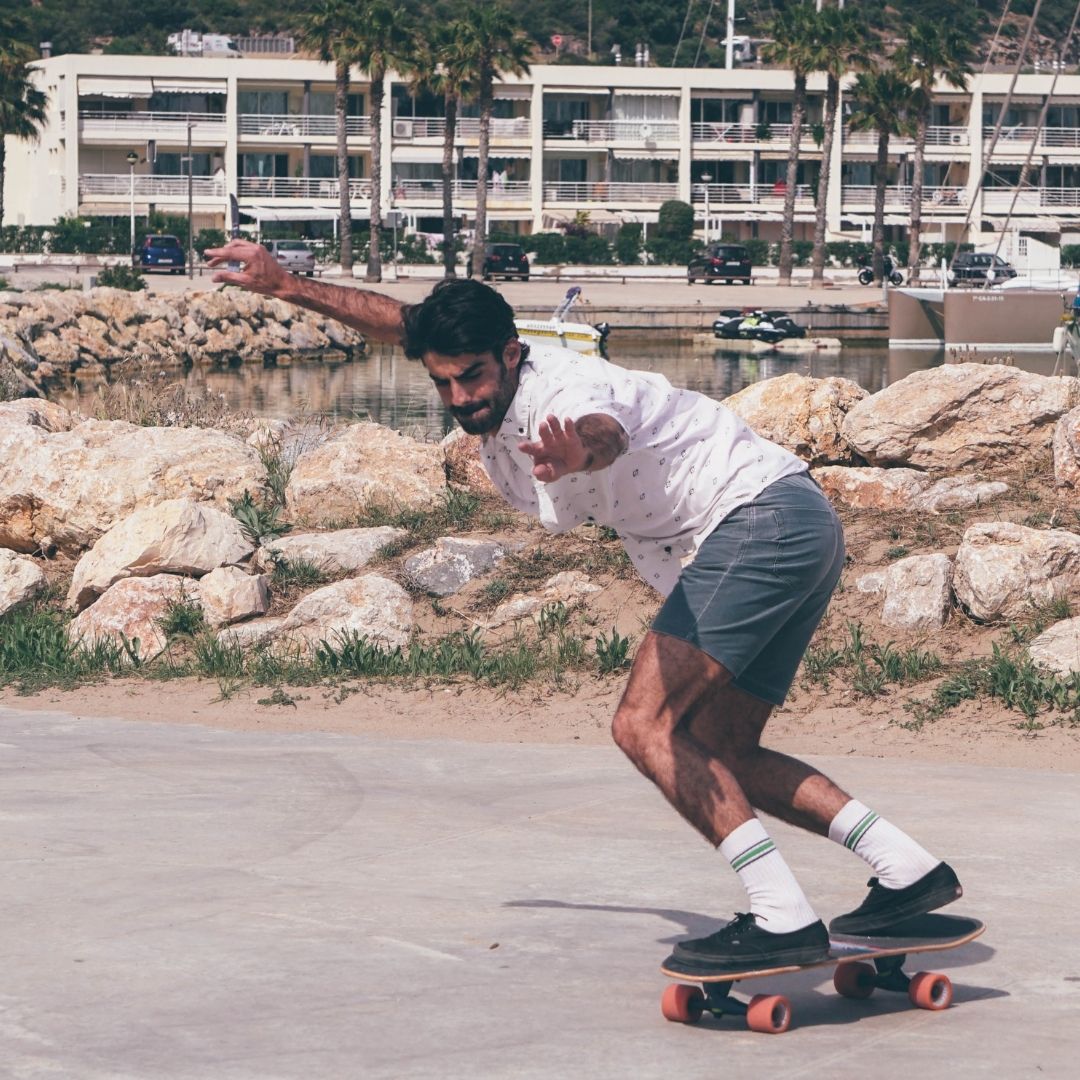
column 577, row 336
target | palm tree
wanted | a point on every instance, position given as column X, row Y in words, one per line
column 22, row 105
column 795, row 45
column 440, row 65
column 935, row 50
column 843, row 37
column 492, row 45
column 329, row 30
column 383, row 40
column 882, row 102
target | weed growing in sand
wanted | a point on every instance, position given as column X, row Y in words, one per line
column 293, row 574
column 259, row 520
column 182, row 618
column 612, row 653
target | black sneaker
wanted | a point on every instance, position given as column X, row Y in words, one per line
column 744, row 945
column 883, row 908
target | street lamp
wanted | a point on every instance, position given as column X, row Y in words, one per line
column 132, row 160
column 705, row 178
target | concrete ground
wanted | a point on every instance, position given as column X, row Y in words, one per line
column 182, row 902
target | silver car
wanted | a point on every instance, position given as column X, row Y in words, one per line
column 293, row 255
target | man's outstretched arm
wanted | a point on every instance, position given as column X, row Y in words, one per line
column 375, row 315
column 563, row 446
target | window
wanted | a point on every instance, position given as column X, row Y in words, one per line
column 322, row 104
column 174, row 165
column 263, row 102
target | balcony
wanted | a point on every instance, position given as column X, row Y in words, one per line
column 898, row 197
column 1019, row 139
column 757, row 135
column 737, row 196
column 167, row 127
column 407, row 129
column 617, row 131
column 151, row 188
column 284, row 126
column 602, row 192
column 937, row 137
column 297, row 187
column 1032, row 200
column 429, row 192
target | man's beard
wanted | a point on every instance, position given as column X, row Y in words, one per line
column 492, row 410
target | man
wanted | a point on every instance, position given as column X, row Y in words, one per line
column 727, row 526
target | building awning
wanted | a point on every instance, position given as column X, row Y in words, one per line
column 416, row 155
column 577, row 91
column 518, row 91
column 114, row 86
column 189, row 86
column 646, row 93
column 642, row 155
column 1027, row 224
column 495, row 152
column 300, row 213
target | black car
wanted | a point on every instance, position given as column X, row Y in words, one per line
column 729, row 262
column 974, row 266
column 505, row 261
column 161, row 253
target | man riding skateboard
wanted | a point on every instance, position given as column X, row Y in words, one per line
column 727, row 526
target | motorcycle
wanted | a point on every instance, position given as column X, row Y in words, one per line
column 866, row 274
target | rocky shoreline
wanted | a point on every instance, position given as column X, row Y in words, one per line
column 145, row 516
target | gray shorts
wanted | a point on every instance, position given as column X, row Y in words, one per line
column 759, row 586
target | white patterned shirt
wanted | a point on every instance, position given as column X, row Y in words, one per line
column 690, row 461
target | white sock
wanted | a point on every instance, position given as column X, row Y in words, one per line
column 896, row 859
column 776, row 899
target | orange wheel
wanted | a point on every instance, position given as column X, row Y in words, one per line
column 929, row 990
column 854, row 980
column 769, row 1013
column 682, row 1003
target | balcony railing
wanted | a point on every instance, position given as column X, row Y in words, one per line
column 518, row 191
column 721, row 195
column 1055, row 199
column 779, row 134
column 154, row 125
column 298, row 187
column 603, row 192
column 467, row 128
column 300, row 127
column 900, row 195
column 1010, row 138
column 151, row 186
column 635, row 131
column 936, row 136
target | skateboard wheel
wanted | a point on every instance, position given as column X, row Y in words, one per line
column 854, row 980
column 930, row 990
column 770, row 1013
column 682, row 1003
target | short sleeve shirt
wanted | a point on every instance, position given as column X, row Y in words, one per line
column 690, row 462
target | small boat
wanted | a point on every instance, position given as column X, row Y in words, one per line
column 770, row 327
column 580, row 337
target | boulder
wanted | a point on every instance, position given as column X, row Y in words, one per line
column 1066, row 449
column 133, row 609
column 870, row 488
column 564, row 588
column 228, row 595
column 452, row 563
column 801, row 413
column 960, row 416
column 341, row 550
column 1058, row 648
column 461, row 461
column 363, row 464
column 1002, row 568
column 253, row 633
column 35, row 412
column 75, row 485
column 916, row 589
column 372, row 606
column 20, row 580
column 178, row 536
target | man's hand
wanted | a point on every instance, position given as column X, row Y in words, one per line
column 259, row 271
column 558, row 451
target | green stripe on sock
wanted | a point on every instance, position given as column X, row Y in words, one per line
column 856, row 834
column 752, row 854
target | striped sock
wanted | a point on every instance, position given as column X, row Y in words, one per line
column 775, row 896
column 896, row 859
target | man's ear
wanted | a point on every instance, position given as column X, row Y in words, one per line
column 512, row 353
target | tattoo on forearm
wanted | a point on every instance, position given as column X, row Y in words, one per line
column 603, row 438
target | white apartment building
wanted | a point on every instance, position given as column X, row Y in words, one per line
column 615, row 142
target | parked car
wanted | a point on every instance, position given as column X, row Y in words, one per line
column 293, row 255
column 505, row 261
column 730, row 262
column 973, row 266
column 160, row 253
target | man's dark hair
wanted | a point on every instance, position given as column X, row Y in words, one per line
column 459, row 316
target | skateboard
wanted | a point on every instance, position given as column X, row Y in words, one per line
column 854, row 977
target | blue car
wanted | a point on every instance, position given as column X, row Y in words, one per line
column 161, row 253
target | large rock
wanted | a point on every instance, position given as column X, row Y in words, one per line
column 20, row 580
column 917, row 592
column 1003, row 569
column 228, row 595
column 364, row 464
column 566, row 587
column 461, row 459
column 75, row 485
column 452, row 563
column 133, row 609
column 1058, row 648
column 341, row 550
column 872, row 488
column 35, row 412
column 178, row 536
column 801, row 413
column 1067, row 449
column 960, row 416
column 370, row 606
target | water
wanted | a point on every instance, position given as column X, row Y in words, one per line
column 389, row 389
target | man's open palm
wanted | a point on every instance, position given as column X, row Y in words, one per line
column 558, row 451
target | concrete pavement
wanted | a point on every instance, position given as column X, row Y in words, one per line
column 182, row 902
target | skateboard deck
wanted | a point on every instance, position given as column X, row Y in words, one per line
column 854, row 976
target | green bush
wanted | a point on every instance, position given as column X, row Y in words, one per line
column 628, row 244
column 1070, row 254
column 121, row 276
column 209, row 238
column 675, row 220
column 665, row 251
column 587, row 250
column 548, row 248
